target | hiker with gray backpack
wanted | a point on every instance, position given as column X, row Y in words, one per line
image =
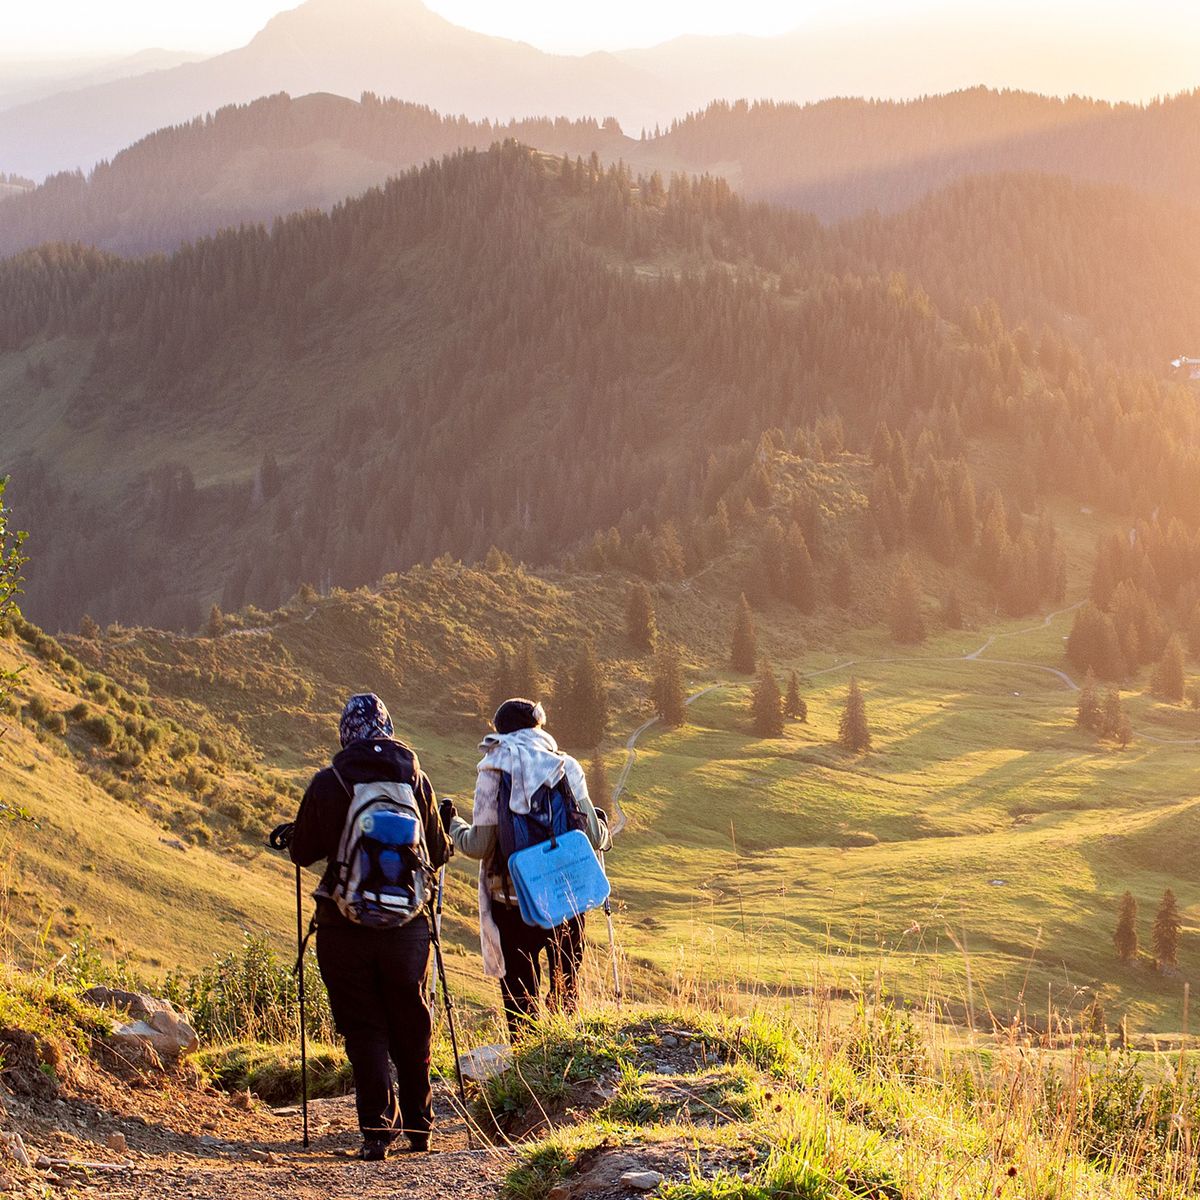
column 536, row 834
column 372, row 815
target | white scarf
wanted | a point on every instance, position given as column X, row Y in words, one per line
column 530, row 756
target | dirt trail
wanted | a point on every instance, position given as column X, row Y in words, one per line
column 197, row 1144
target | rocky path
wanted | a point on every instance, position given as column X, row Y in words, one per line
column 187, row 1144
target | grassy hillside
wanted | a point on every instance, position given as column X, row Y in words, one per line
column 977, row 851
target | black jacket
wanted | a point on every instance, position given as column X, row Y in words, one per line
column 325, row 805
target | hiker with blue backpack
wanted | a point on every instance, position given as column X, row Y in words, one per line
column 372, row 815
column 536, row 834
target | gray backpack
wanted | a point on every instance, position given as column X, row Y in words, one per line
column 384, row 876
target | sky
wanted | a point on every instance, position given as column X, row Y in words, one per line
column 53, row 28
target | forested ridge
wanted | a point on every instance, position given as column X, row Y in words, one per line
column 252, row 162
column 513, row 350
column 837, row 158
column 845, row 156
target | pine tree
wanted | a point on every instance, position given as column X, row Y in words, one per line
column 214, row 626
column 1088, row 714
column 744, row 650
column 907, row 623
column 1170, row 677
column 1164, row 937
column 589, row 698
column 641, row 624
column 854, row 734
column 502, row 680
column 1125, row 938
column 88, row 627
column 1115, row 724
column 799, row 581
column 526, row 678
column 794, row 706
column 767, row 704
column 599, row 787
column 563, row 714
column 669, row 695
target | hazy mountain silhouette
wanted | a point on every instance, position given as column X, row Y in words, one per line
column 401, row 48
column 392, row 47
column 23, row 82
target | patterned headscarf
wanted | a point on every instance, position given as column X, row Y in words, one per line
column 364, row 719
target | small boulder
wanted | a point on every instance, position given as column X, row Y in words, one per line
column 116, row 1143
column 155, row 1023
column 485, row 1062
column 641, row 1181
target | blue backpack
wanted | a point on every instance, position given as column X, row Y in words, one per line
column 545, row 856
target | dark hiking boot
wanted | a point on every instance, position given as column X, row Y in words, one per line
column 373, row 1150
column 418, row 1143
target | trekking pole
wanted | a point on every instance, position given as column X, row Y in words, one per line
column 437, row 923
column 280, row 837
column 441, row 970
column 303, row 1029
column 612, row 941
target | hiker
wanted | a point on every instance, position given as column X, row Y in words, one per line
column 519, row 757
column 375, row 976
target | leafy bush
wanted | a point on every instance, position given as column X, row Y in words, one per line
column 248, row 994
column 101, row 728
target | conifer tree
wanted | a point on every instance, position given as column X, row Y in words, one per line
column 88, row 627
column 1125, row 937
column 799, row 581
column 794, row 705
column 767, row 704
column 641, row 624
column 907, row 623
column 1088, row 714
column 1164, row 937
column 669, row 695
column 502, row 680
column 214, row 626
column 599, row 787
column 1115, row 723
column 526, row 678
column 589, row 698
column 854, row 733
column 743, row 654
column 1170, row 678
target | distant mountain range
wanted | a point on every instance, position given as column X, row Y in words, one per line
column 401, row 48
column 26, row 81
column 838, row 158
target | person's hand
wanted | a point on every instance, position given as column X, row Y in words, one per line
column 448, row 812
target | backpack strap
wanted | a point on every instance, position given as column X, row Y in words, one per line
column 345, row 786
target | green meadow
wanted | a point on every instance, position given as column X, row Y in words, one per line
column 976, row 854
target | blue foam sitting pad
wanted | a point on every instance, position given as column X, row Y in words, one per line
column 558, row 880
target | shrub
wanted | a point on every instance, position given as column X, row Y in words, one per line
column 213, row 751
column 101, row 728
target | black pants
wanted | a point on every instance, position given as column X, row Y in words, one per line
column 523, row 945
column 375, row 979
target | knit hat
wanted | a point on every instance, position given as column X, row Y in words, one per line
column 518, row 714
column 365, row 718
